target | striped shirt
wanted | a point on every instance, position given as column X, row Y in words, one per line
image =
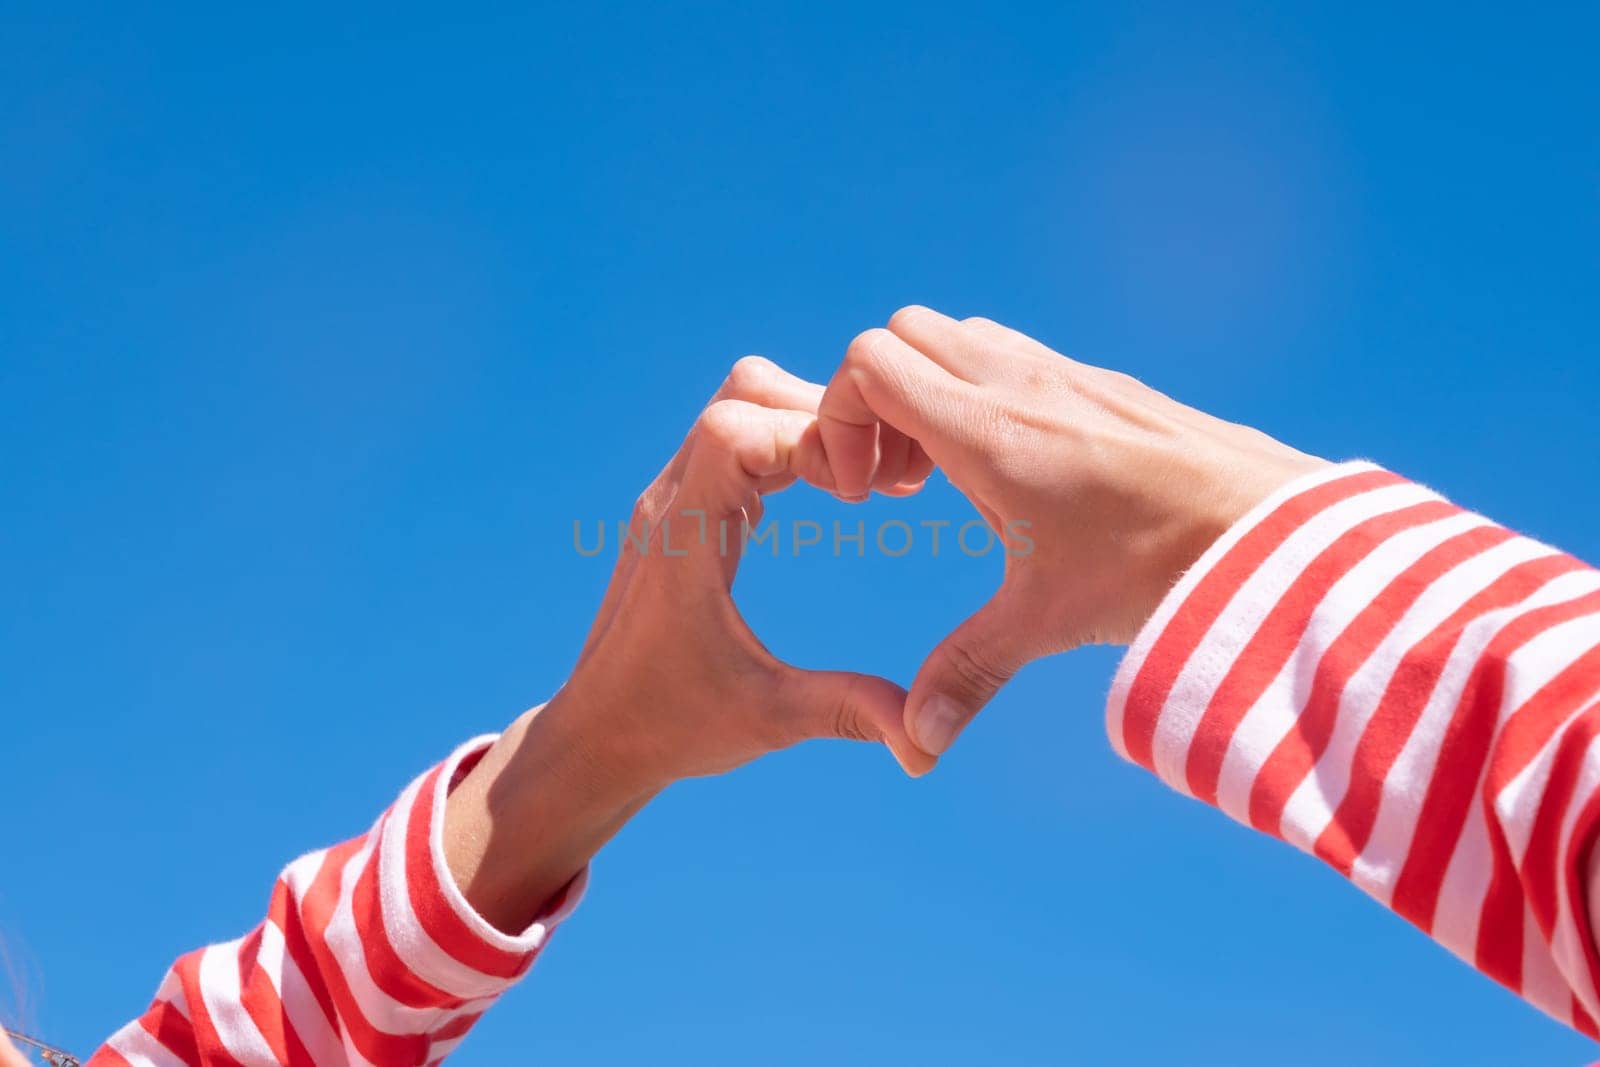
column 369, row 954
column 1405, row 690
column 1397, row 686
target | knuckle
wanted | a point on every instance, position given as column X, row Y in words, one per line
column 866, row 349
column 906, row 316
column 721, row 421
column 844, row 717
column 747, row 373
column 976, row 669
column 847, row 725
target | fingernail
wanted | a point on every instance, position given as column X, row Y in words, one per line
column 936, row 724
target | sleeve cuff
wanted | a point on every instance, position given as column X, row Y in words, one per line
column 1227, row 635
column 438, row 935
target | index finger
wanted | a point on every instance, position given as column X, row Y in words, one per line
column 739, row 452
column 883, row 380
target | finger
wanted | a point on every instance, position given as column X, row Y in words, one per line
column 973, row 355
column 961, row 675
column 884, row 380
column 774, row 483
column 753, row 380
column 739, row 444
column 856, row 707
column 1117, row 382
column 918, row 467
column 1001, row 333
column 894, row 453
column 758, row 380
column 739, row 449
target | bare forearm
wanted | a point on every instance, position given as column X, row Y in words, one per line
column 533, row 812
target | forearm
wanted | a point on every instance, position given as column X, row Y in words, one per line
column 386, row 949
column 1406, row 690
column 534, row 811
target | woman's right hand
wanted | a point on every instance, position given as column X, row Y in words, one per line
column 1119, row 488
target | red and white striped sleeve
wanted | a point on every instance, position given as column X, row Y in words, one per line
column 369, row 954
column 1409, row 692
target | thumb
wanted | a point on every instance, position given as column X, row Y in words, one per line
column 960, row 676
column 855, row 707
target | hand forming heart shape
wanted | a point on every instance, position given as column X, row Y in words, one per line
column 668, row 626
column 1124, row 488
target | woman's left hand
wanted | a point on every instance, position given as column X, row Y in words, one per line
column 671, row 682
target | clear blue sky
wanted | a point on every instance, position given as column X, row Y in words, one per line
column 317, row 331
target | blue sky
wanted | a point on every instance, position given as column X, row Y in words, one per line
column 318, row 330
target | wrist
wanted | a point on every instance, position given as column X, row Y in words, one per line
column 592, row 737
column 1240, row 479
column 533, row 812
column 1219, row 483
column 564, row 743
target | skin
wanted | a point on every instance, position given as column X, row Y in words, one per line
column 1121, row 488
column 1124, row 488
column 671, row 682
column 10, row 1056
